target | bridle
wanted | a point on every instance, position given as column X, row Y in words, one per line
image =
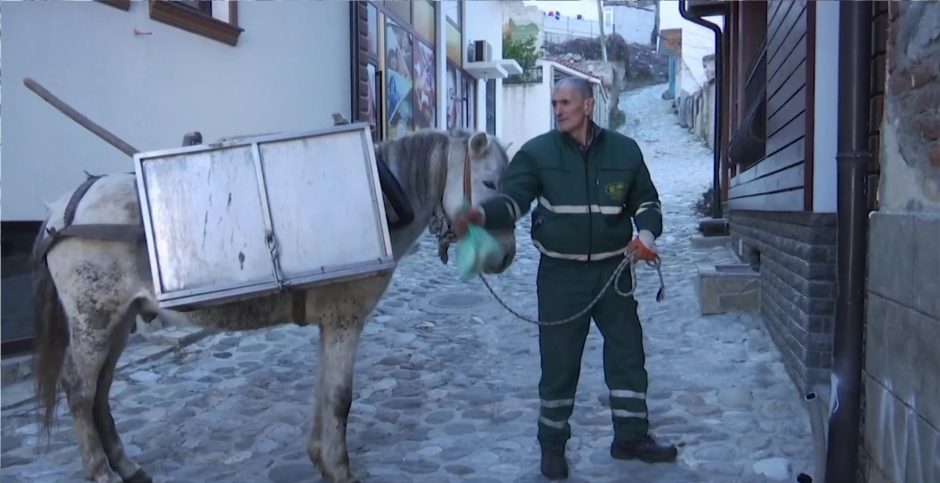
column 467, row 194
column 445, row 232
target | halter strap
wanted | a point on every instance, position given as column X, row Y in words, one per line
column 466, row 177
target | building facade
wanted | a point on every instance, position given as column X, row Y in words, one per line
column 781, row 185
column 152, row 71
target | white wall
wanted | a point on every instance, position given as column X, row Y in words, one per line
column 697, row 43
column 531, row 112
column 151, row 89
column 530, row 115
column 826, row 107
column 635, row 25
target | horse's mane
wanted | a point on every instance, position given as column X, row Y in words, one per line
column 419, row 162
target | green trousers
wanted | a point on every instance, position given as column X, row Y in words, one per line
column 564, row 289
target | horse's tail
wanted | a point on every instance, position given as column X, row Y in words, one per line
column 51, row 331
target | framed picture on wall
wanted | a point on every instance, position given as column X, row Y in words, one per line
column 425, row 87
column 399, row 49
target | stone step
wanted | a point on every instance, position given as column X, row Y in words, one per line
column 713, row 226
column 700, row 241
column 728, row 288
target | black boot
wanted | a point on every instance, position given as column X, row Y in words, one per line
column 645, row 449
column 554, row 464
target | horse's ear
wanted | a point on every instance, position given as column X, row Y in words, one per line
column 478, row 144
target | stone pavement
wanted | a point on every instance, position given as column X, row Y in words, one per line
column 446, row 379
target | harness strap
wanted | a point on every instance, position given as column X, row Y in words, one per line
column 467, row 186
column 76, row 198
column 95, row 231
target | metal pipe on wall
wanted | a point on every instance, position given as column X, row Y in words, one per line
column 694, row 15
column 853, row 160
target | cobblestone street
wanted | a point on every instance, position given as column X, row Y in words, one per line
column 446, row 379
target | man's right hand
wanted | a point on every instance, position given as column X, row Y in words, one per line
column 462, row 221
column 643, row 246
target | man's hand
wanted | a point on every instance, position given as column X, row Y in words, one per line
column 643, row 246
column 462, row 221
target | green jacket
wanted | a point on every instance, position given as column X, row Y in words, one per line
column 586, row 199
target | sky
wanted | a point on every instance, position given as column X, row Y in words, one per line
column 571, row 8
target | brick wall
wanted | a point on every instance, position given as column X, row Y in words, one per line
column 797, row 257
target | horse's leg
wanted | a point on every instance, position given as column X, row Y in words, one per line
column 339, row 337
column 86, row 356
column 104, row 422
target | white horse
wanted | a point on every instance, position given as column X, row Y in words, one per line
column 89, row 292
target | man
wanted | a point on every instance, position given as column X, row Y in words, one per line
column 590, row 183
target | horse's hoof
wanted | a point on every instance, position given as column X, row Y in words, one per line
column 139, row 476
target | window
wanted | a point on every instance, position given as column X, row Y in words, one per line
column 454, row 97
column 461, row 107
column 425, row 95
column 121, row 4
column 424, row 20
column 452, row 11
column 401, row 67
column 454, row 44
column 373, row 32
column 396, row 87
column 491, row 106
column 216, row 20
column 401, row 9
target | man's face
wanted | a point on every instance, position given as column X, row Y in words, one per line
column 570, row 108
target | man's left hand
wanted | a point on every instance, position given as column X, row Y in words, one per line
column 462, row 221
column 643, row 247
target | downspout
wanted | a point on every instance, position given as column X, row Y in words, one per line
column 695, row 15
column 354, row 62
column 853, row 159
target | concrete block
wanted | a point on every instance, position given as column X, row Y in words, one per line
column 924, row 397
column 875, row 363
column 875, row 475
column 891, row 256
column 926, row 264
column 728, row 288
column 713, row 226
column 700, row 241
column 886, row 422
column 923, row 451
column 16, row 369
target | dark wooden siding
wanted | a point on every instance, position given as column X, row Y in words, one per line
column 777, row 183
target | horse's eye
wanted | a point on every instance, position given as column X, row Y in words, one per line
column 489, row 184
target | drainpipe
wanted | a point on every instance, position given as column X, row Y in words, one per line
column 694, row 14
column 853, row 159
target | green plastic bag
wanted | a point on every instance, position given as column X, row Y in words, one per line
column 475, row 250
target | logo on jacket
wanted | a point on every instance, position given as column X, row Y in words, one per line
column 617, row 191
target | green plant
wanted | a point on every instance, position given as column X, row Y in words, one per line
column 704, row 206
column 523, row 51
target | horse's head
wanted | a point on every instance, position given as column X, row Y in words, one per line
column 481, row 160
